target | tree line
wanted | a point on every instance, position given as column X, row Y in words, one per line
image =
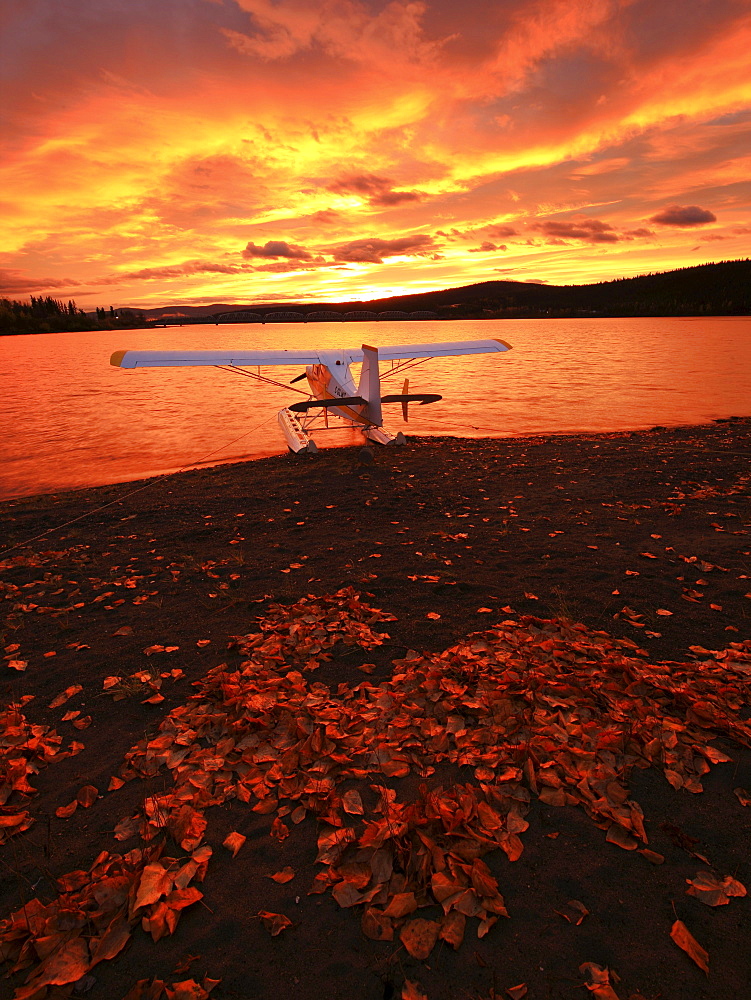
column 44, row 314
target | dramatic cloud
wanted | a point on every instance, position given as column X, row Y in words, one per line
column 373, row 251
column 500, row 232
column 167, row 151
column 277, row 248
column 580, row 228
column 488, row 248
column 384, row 39
column 684, row 215
column 14, row 282
column 378, row 190
column 179, row 270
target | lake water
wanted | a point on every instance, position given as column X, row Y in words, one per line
column 69, row 419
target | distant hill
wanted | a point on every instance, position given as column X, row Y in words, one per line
column 722, row 289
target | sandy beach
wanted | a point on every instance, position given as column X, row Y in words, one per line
column 235, row 747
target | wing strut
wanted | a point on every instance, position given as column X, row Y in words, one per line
column 261, row 378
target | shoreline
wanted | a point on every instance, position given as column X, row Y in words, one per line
column 172, row 502
column 543, row 317
column 565, row 435
column 643, row 535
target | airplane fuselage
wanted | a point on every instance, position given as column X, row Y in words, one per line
column 337, row 384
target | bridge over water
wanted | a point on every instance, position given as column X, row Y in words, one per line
column 319, row 316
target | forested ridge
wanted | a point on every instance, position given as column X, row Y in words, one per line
column 722, row 289
column 43, row 314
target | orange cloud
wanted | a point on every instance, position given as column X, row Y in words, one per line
column 683, row 215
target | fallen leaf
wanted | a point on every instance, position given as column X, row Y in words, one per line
column 352, row 803
column 112, row 942
column 433, row 615
column 65, row 695
column 599, row 986
column 685, row 940
column 279, row 831
column 653, row 856
column 179, row 899
column 419, row 937
column 710, row 890
column 580, row 912
column 401, row 905
column 285, row 875
column 275, row 923
column 346, row 894
column 66, row 965
column 87, row 796
column 376, row 926
column 233, row 842
column 517, row 992
column 617, row 835
column 452, row 928
column 154, row 883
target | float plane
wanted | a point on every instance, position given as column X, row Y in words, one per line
column 332, row 386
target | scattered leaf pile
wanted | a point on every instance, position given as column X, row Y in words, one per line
column 24, row 749
column 148, row 682
column 531, row 708
column 157, row 989
column 95, row 912
column 534, row 707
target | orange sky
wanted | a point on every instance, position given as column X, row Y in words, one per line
column 244, row 150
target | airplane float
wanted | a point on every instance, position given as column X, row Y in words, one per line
column 332, row 385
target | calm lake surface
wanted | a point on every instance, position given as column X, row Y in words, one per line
column 69, row 419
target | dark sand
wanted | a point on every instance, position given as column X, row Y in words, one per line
column 548, row 527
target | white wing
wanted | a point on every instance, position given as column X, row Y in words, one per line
column 455, row 348
column 174, row 359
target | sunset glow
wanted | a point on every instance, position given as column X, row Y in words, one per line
column 197, row 151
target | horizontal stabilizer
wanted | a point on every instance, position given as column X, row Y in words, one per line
column 309, row 404
column 412, row 397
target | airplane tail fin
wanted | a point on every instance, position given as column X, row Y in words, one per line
column 370, row 384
